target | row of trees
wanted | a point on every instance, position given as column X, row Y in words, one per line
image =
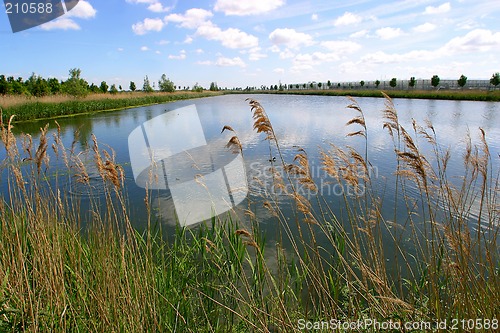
column 75, row 85
column 435, row 80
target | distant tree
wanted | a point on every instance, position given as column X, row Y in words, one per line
column 338, row 85
column 275, row 87
column 94, row 89
column 304, row 86
column 319, row 85
column 297, row 86
column 17, row 86
column 435, row 81
column 146, row 87
column 75, row 85
column 495, row 79
column 4, row 85
column 329, row 84
column 377, row 83
column 120, row 87
column 132, row 86
column 213, row 86
column 412, row 82
column 311, row 85
column 197, row 88
column 54, row 85
column 165, row 85
column 37, row 86
column 113, row 89
column 393, row 82
column 462, row 81
column 104, row 87
column 362, row 83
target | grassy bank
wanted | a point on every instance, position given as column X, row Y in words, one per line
column 470, row 95
column 55, row 106
column 224, row 276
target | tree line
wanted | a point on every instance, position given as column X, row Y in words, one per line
column 75, row 85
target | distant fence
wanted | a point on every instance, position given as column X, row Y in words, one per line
column 420, row 84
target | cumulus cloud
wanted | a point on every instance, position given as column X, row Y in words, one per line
column 180, row 56
column 359, row 34
column 341, row 46
column 154, row 5
column 231, row 38
column 83, row 10
column 388, row 33
column 347, row 19
column 144, row 48
column 444, row 8
column 426, row 27
column 147, row 25
column 191, row 19
column 225, row 62
column 62, row 24
column 290, row 38
column 479, row 40
column 244, row 8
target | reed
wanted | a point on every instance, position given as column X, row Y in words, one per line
column 223, row 276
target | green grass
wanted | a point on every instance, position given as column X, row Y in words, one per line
column 40, row 108
column 224, row 276
column 471, row 95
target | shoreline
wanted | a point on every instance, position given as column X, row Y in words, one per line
column 54, row 107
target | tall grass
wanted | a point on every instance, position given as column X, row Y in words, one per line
column 31, row 108
column 223, row 276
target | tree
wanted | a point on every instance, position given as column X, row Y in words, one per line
column 94, row 89
column 304, row 86
column 435, row 81
column 377, row 83
column 132, row 86
column 113, row 89
column 4, row 85
column 412, row 82
column 146, row 87
column 362, row 83
column 495, row 79
column 329, row 84
column 462, row 81
column 103, row 87
column 319, row 85
column 393, row 82
column 197, row 88
column 37, row 86
column 120, row 87
column 311, row 85
column 213, row 86
column 54, row 85
column 75, row 86
column 165, row 85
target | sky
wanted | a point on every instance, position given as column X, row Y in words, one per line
column 259, row 42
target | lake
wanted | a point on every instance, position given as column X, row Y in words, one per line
column 312, row 123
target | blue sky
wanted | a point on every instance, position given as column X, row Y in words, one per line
column 259, row 42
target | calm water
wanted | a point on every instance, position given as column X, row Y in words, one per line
column 310, row 122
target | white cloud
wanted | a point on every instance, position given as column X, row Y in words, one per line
column 256, row 54
column 147, row 25
column 243, row 8
column 347, row 19
column 144, row 48
column 181, row 56
column 388, row 33
column 341, row 46
column 479, row 40
column 426, row 27
column 231, row 38
column 224, row 62
column 62, row 23
column 314, row 17
column 359, row 34
column 308, row 60
column 82, row 10
column 158, row 8
column 290, row 38
column 444, row 8
column 120, row 49
column 191, row 19
column 279, row 70
column 163, row 42
column 287, row 54
column 199, row 51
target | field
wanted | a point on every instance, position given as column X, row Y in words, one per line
column 224, row 277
